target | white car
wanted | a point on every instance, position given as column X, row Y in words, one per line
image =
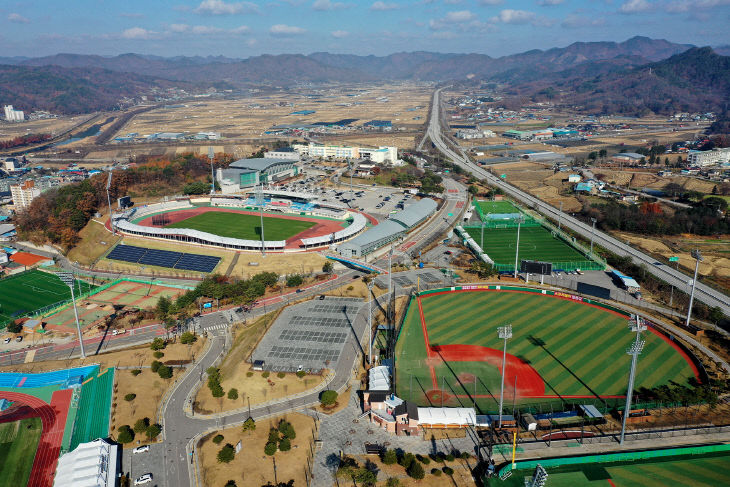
column 144, row 479
column 141, row 449
column 7, row 340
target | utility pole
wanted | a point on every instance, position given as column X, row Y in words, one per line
column 593, row 233
column 68, row 279
column 390, row 282
column 560, row 214
column 698, row 256
column 505, row 333
column 676, row 268
column 211, row 155
column 370, row 323
column 517, row 247
column 109, row 201
column 259, row 194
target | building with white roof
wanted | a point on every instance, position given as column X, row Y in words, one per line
column 709, row 157
column 93, row 464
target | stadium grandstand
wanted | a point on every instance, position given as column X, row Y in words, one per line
column 247, row 173
column 93, row 464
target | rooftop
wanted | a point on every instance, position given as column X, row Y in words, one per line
column 258, row 164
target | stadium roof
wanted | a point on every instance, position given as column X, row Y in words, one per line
column 413, row 214
column 376, row 234
column 630, row 155
column 259, row 163
column 447, row 416
column 92, row 464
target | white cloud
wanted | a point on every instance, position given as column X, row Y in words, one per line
column 576, row 21
column 339, row 34
column 285, row 30
column 323, row 5
column 18, row 19
column 443, row 35
column 490, row 2
column 549, row 3
column 382, row 6
column 138, row 33
column 456, row 17
column 635, row 6
column 219, row 7
column 510, row 16
column 452, row 2
column 177, row 28
column 681, row 6
column 206, row 29
column 241, row 29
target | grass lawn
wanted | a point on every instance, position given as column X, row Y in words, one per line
column 32, row 290
column 701, row 471
column 576, row 349
column 18, row 443
column 536, row 243
column 497, row 207
column 247, row 227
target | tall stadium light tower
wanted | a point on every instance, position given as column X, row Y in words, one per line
column 634, row 350
column 698, row 256
column 68, row 279
column 593, row 234
column 517, row 247
column 109, row 200
column 259, row 194
column 211, row 155
column 505, row 333
column 560, row 214
column 390, row 282
column 370, row 323
column 482, row 242
column 350, row 165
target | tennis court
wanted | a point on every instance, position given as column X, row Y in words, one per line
column 30, row 291
column 448, row 349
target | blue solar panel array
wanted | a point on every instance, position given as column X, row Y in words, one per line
column 164, row 258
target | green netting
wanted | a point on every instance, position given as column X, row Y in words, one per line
column 94, row 406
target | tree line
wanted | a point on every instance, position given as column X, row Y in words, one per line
column 24, row 140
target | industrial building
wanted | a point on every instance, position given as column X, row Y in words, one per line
column 247, row 173
column 379, row 155
column 627, row 157
column 390, row 230
column 13, row 115
column 282, row 153
column 708, row 158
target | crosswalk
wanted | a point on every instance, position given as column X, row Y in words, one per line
column 216, row 327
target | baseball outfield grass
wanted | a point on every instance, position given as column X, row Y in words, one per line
column 32, row 290
column 18, row 444
column 697, row 471
column 246, row 227
column 578, row 350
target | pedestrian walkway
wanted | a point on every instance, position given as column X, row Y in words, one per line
column 216, row 327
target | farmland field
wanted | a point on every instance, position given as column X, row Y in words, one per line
column 29, row 291
column 560, row 350
column 18, row 443
column 247, row 227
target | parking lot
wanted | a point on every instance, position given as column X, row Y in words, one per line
column 138, row 464
column 311, row 335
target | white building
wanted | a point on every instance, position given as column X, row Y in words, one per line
column 92, row 464
column 474, row 134
column 708, row 158
column 380, row 155
column 23, row 194
column 283, row 153
column 12, row 115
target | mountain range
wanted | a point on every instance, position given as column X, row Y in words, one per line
column 578, row 60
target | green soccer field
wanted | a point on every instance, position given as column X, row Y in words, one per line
column 32, row 290
column 699, row 471
column 497, row 207
column 18, row 444
column 536, row 243
column 578, row 350
column 246, row 227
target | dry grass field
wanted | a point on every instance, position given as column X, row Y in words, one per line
column 541, row 181
column 51, row 126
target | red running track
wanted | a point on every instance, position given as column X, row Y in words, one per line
column 53, row 419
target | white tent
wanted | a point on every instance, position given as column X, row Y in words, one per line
column 92, row 464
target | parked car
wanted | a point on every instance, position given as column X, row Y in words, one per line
column 144, row 479
column 7, row 340
column 141, row 449
column 321, row 297
column 19, row 338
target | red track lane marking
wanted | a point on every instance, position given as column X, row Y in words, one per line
column 22, row 381
column 611, row 482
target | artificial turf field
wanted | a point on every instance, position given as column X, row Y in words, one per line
column 536, row 243
column 497, row 207
column 697, row 471
column 18, row 444
column 33, row 290
column 246, row 227
column 561, row 350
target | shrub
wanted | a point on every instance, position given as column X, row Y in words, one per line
column 281, row 375
column 249, row 425
column 437, row 457
column 155, row 365
column 125, row 434
column 217, row 439
column 448, row 470
column 216, row 390
column 136, row 372
column 465, row 455
column 15, row 327
column 233, row 394
column 393, row 482
column 423, row 460
column 328, row 398
column 449, row 457
column 436, row 472
column 273, row 435
column 130, row 396
column 226, row 454
column 231, row 483
column 188, row 338
column 158, row 354
column 249, row 374
column 406, row 459
column 141, row 425
column 265, row 374
column 164, row 371
column 301, row 373
column 284, row 444
column 153, row 431
column 350, row 288
column 294, row 280
column 390, row 457
column 270, row 448
column 286, row 429
column 157, row 344
column 415, row 470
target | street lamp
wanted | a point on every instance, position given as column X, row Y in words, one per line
column 370, row 323
column 634, row 350
column 505, row 333
column 698, row 257
column 68, row 279
column 390, row 282
column 593, row 233
column 517, row 247
column 109, row 201
column 259, row 194
column 481, row 244
column 560, row 214
column 211, row 155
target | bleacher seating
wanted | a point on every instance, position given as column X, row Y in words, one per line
column 92, row 418
column 64, row 378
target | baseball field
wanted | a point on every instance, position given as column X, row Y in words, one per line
column 33, row 290
column 243, row 226
column 448, row 350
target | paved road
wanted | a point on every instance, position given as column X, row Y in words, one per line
column 703, row 293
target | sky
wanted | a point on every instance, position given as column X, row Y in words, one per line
column 249, row 28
